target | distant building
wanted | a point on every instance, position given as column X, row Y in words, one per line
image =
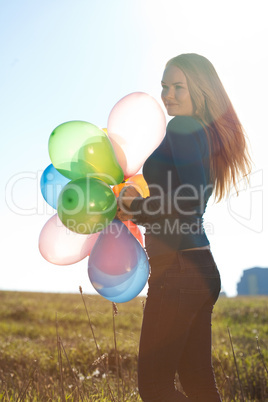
column 253, row 282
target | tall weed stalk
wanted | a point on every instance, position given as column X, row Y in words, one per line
column 97, row 346
column 236, row 366
column 62, row 396
column 115, row 312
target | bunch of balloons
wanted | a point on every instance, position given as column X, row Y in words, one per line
column 89, row 168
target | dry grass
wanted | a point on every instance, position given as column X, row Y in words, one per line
column 56, row 347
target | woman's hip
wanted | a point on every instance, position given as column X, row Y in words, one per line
column 187, row 272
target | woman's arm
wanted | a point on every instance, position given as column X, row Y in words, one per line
column 188, row 144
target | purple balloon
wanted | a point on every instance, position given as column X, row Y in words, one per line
column 118, row 266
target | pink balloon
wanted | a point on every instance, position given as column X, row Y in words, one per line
column 116, row 251
column 60, row 246
column 136, row 126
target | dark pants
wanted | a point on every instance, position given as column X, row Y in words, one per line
column 176, row 329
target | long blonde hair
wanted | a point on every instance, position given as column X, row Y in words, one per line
column 230, row 159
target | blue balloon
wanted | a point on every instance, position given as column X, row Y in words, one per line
column 51, row 183
column 118, row 267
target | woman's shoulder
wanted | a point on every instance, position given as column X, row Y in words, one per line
column 187, row 134
column 184, row 125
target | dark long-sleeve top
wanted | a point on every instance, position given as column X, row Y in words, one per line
column 178, row 176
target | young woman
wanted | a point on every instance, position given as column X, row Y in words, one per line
column 204, row 151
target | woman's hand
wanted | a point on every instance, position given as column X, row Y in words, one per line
column 124, row 201
column 123, row 216
column 127, row 195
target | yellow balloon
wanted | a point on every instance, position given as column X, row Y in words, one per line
column 80, row 149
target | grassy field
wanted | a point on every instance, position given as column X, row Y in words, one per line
column 57, row 347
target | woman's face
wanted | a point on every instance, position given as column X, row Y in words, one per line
column 175, row 93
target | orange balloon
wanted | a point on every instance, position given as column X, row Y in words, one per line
column 133, row 228
column 136, row 181
column 118, row 187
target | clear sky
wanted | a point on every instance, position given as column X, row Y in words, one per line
column 67, row 60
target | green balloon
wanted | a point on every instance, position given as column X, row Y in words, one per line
column 79, row 149
column 86, row 205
